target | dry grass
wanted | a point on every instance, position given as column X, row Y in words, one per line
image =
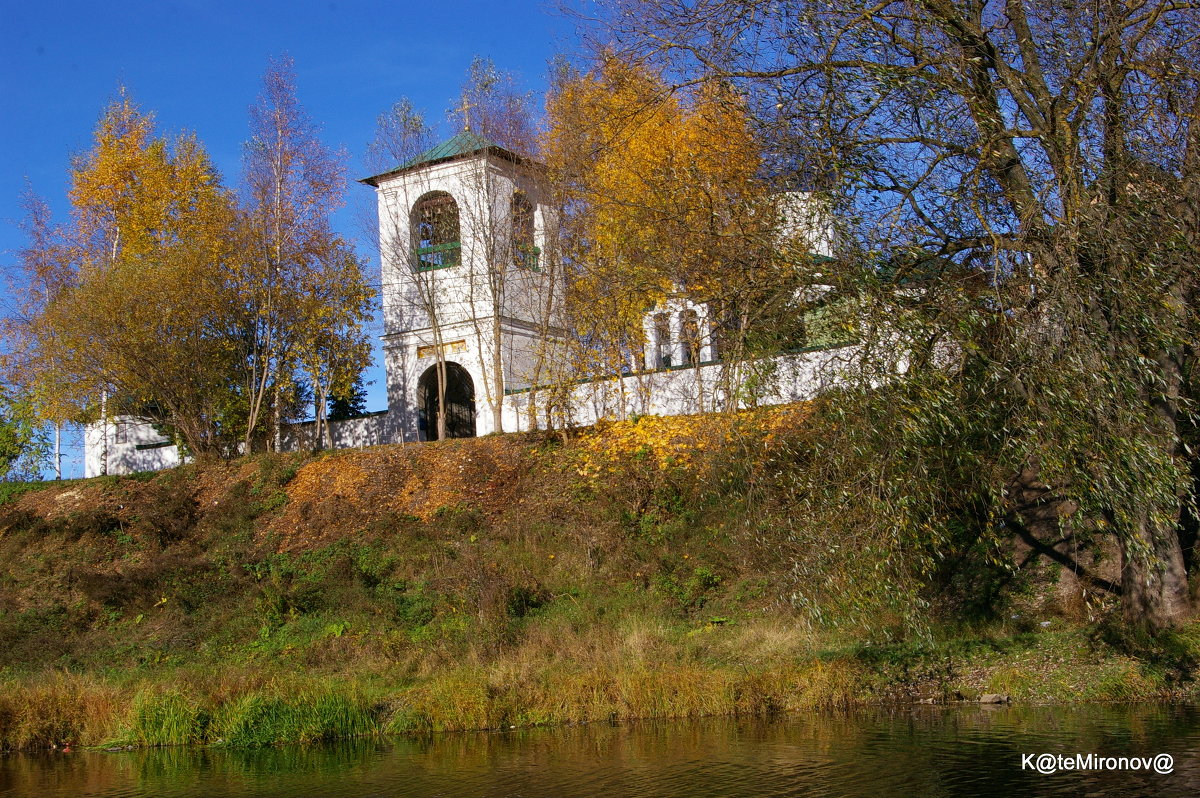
column 636, row 668
column 60, row 710
column 503, row 695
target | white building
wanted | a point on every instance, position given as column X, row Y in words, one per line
column 125, row 444
column 470, row 288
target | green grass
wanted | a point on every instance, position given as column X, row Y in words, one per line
column 312, row 715
column 11, row 490
column 167, row 718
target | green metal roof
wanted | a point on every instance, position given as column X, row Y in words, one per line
column 465, row 143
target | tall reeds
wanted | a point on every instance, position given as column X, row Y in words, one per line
column 59, row 710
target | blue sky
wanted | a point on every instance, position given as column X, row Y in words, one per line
column 198, row 65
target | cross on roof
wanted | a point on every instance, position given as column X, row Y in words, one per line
column 465, row 110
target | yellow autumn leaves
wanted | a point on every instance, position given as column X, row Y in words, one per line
column 674, row 442
column 661, row 194
column 121, row 300
column 663, row 441
column 165, row 297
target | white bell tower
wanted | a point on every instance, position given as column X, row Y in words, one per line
column 469, row 285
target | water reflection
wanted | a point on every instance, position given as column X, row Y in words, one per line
column 961, row 751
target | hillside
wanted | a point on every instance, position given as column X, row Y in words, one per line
column 638, row 569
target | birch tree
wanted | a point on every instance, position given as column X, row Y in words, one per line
column 161, row 298
column 455, row 252
column 24, row 443
column 491, row 105
column 292, row 183
column 124, row 301
column 401, row 135
column 664, row 198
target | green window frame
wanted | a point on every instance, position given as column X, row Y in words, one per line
column 436, row 234
column 438, row 256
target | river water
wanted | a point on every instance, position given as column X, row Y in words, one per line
column 953, row 751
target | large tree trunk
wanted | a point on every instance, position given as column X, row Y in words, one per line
column 1154, row 583
column 1154, row 579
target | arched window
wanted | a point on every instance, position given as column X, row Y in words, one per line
column 662, row 341
column 524, row 253
column 436, row 242
column 689, row 331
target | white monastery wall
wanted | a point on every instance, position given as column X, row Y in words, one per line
column 691, row 389
column 350, row 433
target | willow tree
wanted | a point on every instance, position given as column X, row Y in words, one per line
column 1038, row 167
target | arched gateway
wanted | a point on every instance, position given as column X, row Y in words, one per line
column 459, row 403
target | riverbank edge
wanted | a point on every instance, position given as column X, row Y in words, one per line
column 64, row 710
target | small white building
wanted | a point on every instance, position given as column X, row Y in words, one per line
column 471, row 289
column 124, row 445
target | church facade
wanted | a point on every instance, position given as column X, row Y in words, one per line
column 471, row 297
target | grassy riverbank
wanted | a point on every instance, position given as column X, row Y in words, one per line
column 643, row 569
column 253, row 706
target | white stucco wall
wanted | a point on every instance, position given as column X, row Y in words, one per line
column 125, row 445
column 714, row 386
column 351, row 433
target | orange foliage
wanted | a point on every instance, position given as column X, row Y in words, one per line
column 389, row 481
